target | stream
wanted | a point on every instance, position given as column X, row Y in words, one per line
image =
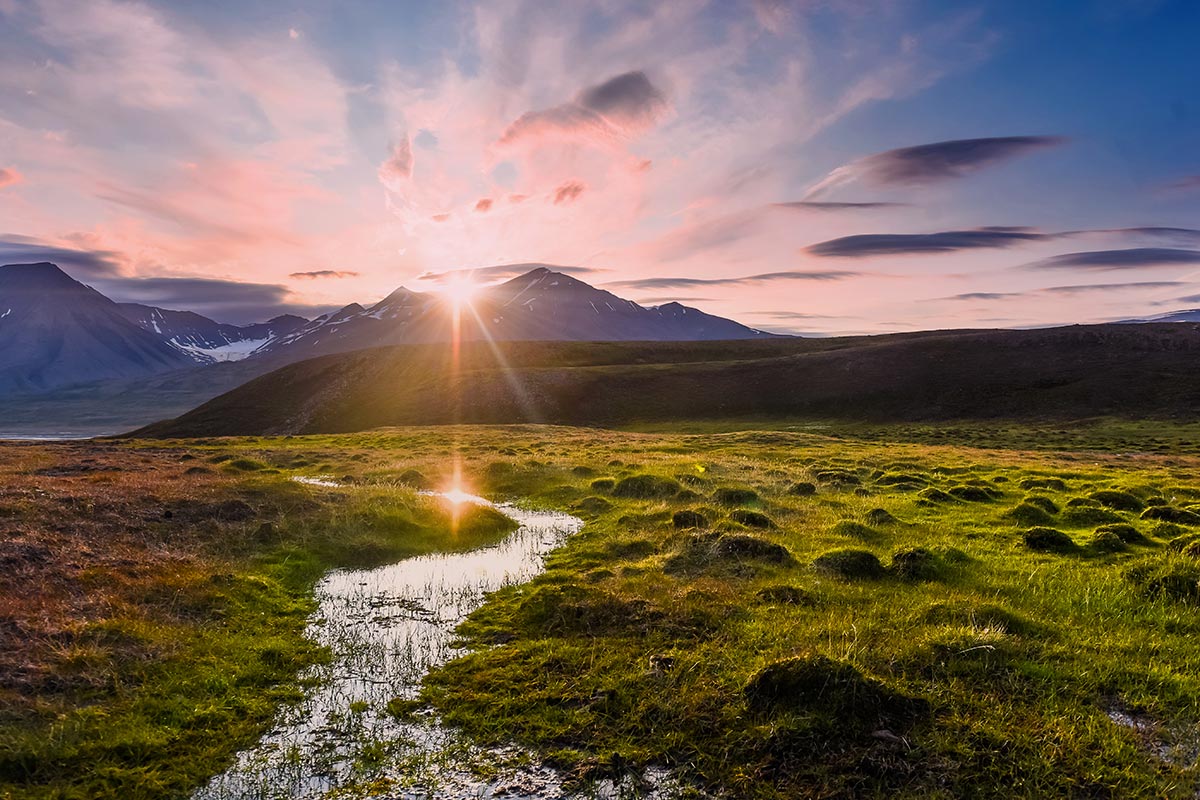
column 386, row 628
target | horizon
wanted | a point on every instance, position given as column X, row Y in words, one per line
column 800, row 169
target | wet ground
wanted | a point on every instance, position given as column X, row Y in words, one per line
column 386, row 627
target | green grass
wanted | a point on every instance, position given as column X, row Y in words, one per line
column 157, row 694
column 889, row 631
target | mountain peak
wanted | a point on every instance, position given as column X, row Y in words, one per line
column 41, row 275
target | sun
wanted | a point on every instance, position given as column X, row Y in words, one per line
column 460, row 291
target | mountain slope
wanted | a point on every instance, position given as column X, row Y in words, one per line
column 54, row 331
column 1119, row 370
column 206, row 340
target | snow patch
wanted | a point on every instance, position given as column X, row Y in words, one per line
column 234, row 351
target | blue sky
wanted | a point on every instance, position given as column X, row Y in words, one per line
column 820, row 166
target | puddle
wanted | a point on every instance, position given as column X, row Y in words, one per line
column 386, row 627
column 318, row 480
column 1178, row 747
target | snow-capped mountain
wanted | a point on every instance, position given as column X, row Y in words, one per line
column 54, row 331
column 541, row 305
column 206, row 340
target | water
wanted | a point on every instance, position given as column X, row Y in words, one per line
column 387, row 627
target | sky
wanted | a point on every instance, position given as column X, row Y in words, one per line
column 816, row 166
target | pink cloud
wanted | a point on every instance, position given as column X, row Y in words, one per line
column 9, row 177
column 484, row 205
column 568, row 192
column 398, row 167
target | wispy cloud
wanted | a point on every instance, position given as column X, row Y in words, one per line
column 766, row 277
column 323, row 273
column 933, row 163
column 9, row 177
column 398, row 166
column 1086, row 288
column 1185, row 184
column 1131, row 258
column 503, row 271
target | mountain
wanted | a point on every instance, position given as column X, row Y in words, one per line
column 205, row 340
column 1136, row 371
column 540, row 305
column 54, row 331
column 1186, row 315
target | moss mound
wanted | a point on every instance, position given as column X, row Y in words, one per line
column 916, row 564
column 689, row 519
column 1081, row 516
column 1105, row 541
column 646, row 487
column 1042, row 502
column 603, row 485
column 935, row 495
column 1049, row 540
column 1125, row 532
column 850, row 564
column 593, row 505
column 802, row 489
column 1179, row 516
column 730, row 496
column 710, row 551
column 973, row 494
column 834, row 688
column 1053, row 484
column 751, row 519
column 855, row 530
column 1027, row 513
column 1115, row 498
column 881, row 516
column 785, row 595
column 416, row 479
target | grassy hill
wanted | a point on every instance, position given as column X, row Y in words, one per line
column 1070, row 372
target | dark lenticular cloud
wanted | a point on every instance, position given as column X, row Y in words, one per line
column 323, row 273
column 82, row 265
column 630, row 96
column 618, row 107
column 817, row 205
column 877, row 244
column 934, row 163
column 222, row 300
column 1112, row 287
column 681, row 283
column 1132, row 258
column 985, row 295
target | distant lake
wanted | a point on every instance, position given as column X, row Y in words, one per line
column 49, row 437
